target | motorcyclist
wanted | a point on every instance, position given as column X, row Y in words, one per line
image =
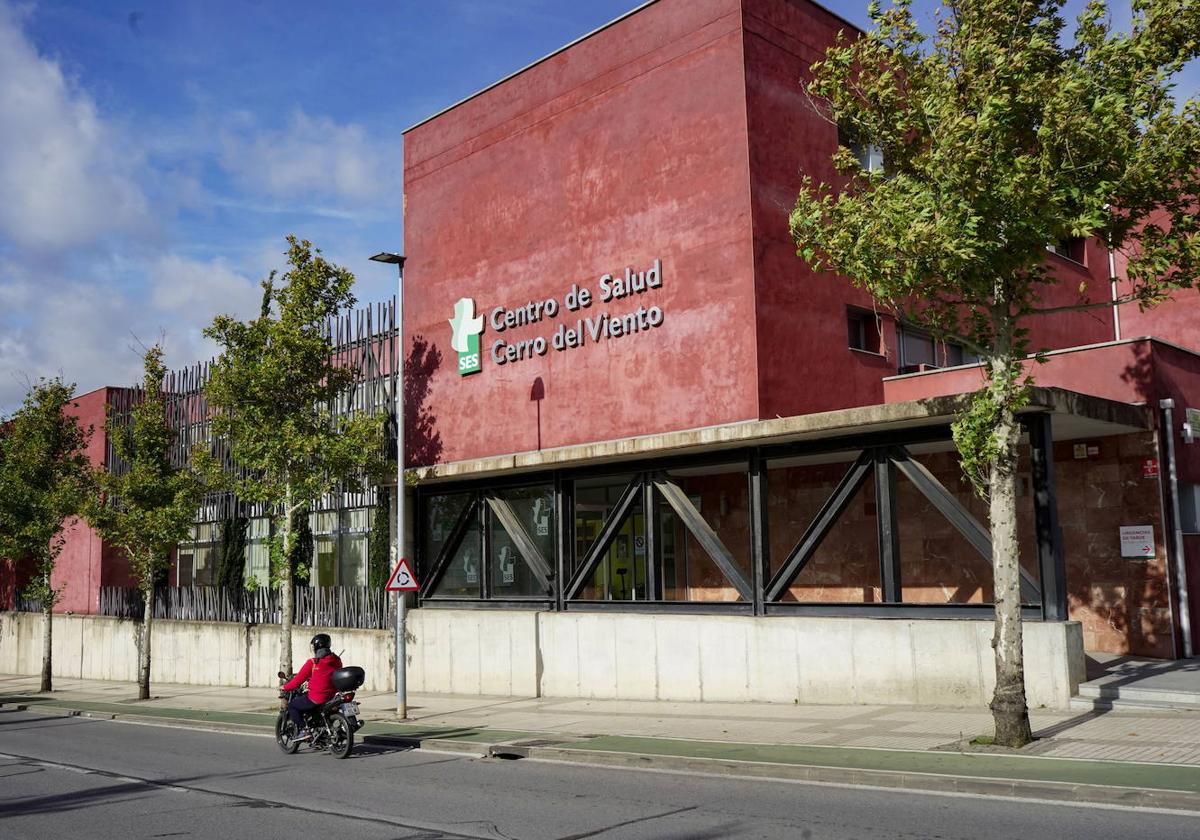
column 319, row 673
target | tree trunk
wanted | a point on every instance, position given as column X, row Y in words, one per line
column 144, row 647
column 47, row 626
column 1009, row 710
column 286, row 603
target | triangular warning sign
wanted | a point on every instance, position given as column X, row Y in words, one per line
column 402, row 579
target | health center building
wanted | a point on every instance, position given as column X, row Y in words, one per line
column 660, row 457
column 656, row 456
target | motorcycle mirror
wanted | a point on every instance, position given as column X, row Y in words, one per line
column 282, row 675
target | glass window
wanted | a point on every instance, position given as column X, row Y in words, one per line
column 920, row 350
column 324, row 531
column 198, row 557
column 258, row 552
column 916, row 349
column 870, row 156
column 440, row 513
column 510, row 567
column 463, row 577
column 863, row 330
column 352, row 553
column 721, row 495
column 845, row 566
column 184, row 567
column 937, row 563
column 595, row 499
column 621, row 573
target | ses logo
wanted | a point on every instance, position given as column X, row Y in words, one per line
column 466, row 327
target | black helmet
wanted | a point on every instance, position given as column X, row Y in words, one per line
column 320, row 642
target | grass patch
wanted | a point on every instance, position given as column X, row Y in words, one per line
column 982, row 741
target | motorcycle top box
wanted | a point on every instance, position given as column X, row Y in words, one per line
column 348, row 679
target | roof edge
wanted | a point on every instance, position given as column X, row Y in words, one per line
column 578, row 40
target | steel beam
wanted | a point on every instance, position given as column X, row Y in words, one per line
column 760, row 540
column 1051, row 558
column 528, row 549
column 706, row 536
column 449, row 547
column 821, row 525
column 959, row 516
column 607, row 532
column 887, row 523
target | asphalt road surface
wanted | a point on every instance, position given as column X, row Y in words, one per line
column 80, row 778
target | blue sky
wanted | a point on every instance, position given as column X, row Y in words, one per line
column 154, row 154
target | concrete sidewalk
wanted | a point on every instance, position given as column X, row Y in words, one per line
column 1161, row 736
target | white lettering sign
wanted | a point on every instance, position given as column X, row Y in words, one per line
column 1137, row 540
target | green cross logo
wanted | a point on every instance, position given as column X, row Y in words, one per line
column 466, row 327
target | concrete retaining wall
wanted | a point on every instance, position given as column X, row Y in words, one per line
column 780, row 659
column 187, row 652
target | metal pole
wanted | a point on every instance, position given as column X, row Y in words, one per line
column 401, row 654
column 1185, row 615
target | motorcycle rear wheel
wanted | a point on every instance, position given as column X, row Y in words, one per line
column 341, row 740
column 285, row 734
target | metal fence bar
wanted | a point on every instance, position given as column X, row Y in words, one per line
column 356, row 607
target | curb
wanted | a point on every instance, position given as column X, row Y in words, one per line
column 927, row 782
column 152, row 720
column 1074, row 792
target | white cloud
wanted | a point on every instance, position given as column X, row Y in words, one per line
column 94, row 336
column 64, row 177
column 89, row 207
column 311, row 158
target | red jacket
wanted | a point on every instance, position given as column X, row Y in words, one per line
column 319, row 674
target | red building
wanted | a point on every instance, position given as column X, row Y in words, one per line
column 670, row 145
column 627, row 394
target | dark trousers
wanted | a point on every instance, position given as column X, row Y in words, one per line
column 299, row 705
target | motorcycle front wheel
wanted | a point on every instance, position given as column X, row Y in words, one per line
column 285, row 734
column 341, row 740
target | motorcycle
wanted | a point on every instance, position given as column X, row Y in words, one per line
column 332, row 724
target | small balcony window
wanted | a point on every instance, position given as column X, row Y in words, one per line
column 1071, row 248
column 919, row 351
column 863, row 330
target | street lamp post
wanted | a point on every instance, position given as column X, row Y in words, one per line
column 401, row 655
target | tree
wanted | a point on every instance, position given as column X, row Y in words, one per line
column 997, row 139
column 148, row 503
column 44, row 481
column 273, row 393
column 231, row 561
column 379, row 546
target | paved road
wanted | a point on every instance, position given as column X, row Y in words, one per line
column 72, row 777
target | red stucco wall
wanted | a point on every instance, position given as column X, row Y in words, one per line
column 627, row 148
column 804, row 363
column 79, row 568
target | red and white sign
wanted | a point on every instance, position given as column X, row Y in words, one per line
column 402, row 579
column 1150, row 468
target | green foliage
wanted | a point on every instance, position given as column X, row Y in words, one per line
column 977, row 430
column 272, row 389
column 148, row 504
column 379, row 547
column 300, row 558
column 44, row 481
column 997, row 139
column 231, row 562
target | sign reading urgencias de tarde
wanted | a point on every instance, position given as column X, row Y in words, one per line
column 466, row 326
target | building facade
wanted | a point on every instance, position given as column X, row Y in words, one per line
column 663, row 408
column 658, row 456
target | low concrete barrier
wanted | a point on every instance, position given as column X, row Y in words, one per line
column 94, row 647
column 777, row 659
